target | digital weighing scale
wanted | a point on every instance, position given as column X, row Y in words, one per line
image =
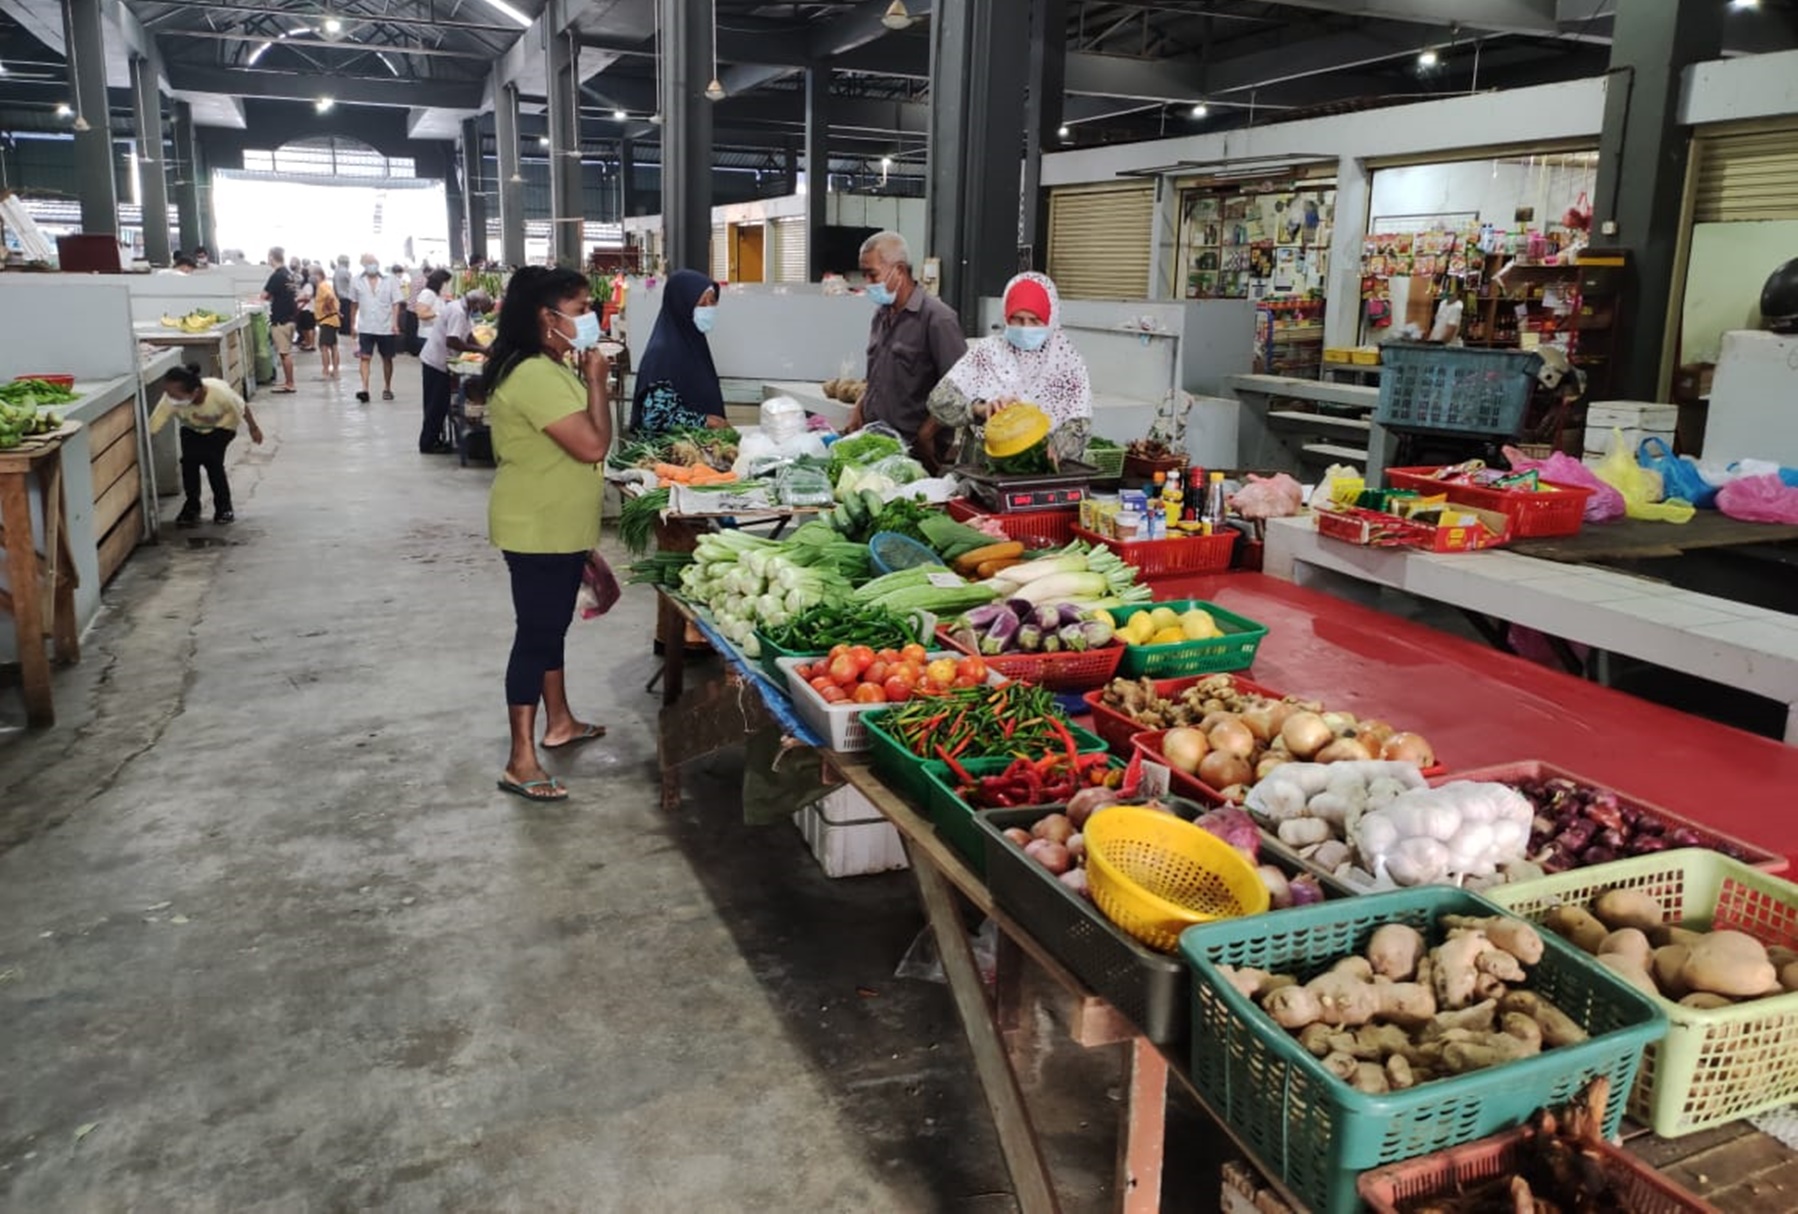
column 1061, row 490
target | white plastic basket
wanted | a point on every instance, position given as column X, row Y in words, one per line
column 840, row 725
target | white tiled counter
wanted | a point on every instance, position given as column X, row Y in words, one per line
column 1713, row 638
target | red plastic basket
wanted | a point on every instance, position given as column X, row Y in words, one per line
column 1040, row 528
column 1390, row 1189
column 1170, row 557
column 1148, row 744
column 1064, row 671
column 1535, row 769
column 1117, row 729
column 1538, row 515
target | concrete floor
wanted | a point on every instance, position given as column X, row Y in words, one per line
column 271, row 940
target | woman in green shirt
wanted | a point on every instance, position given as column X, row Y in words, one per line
column 550, row 432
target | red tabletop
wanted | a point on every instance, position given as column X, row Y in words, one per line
column 1479, row 707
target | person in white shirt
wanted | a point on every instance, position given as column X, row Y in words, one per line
column 428, row 302
column 379, row 304
column 1447, row 326
column 453, row 334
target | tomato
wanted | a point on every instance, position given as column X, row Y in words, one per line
column 889, row 656
column 914, row 653
column 836, row 649
column 896, row 689
column 941, row 671
column 833, row 694
column 843, row 670
column 876, row 673
column 966, row 680
column 821, row 683
column 971, row 667
column 868, row 693
column 908, row 670
column 864, row 657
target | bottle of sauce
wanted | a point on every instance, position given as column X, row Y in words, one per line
column 1216, row 512
column 1194, row 504
column 1171, row 498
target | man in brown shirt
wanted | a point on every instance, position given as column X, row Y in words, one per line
column 914, row 340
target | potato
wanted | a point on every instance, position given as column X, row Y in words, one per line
column 1729, row 963
column 1665, row 965
column 1578, row 927
column 1628, row 970
column 1705, row 1001
column 1627, row 908
column 1627, row 942
column 1788, row 976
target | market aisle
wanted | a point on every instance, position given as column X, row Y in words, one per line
column 271, row 940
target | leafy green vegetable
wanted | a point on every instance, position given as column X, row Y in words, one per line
column 861, row 448
column 637, row 521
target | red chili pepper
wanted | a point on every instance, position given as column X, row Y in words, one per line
column 1066, row 738
column 961, row 773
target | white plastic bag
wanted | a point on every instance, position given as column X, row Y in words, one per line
column 783, row 418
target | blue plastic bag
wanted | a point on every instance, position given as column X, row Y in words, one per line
column 1679, row 475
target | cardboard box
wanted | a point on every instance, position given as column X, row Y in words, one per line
column 1372, row 528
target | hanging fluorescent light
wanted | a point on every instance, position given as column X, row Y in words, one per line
column 619, row 115
column 331, row 27
column 1744, row 5
column 64, row 110
column 715, row 90
column 522, row 20
column 323, row 104
column 1200, row 110
column 81, row 125
column 1065, row 131
column 897, row 16
column 543, row 141
column 655, row 119
column 1428, row 57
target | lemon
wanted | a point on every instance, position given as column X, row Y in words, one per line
column 1170, row 636
column 1102, row 616
column 1198, row 625
column 1139, row 628
column 1165, row 617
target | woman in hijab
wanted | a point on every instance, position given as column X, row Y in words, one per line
column 677, row 385
column 1032, row 361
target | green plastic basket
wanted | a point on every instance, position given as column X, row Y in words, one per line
column 1713, row 1066
column 905, row 772
column 1235, row 650
column 955, row 818
column 1108, row 462
column 1314, row 1131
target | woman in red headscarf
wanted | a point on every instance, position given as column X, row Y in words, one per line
column 1032, row 361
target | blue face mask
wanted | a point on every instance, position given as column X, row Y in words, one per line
column 705, row 317
column 586, row 330
column 881, row 294
column 1027, row 337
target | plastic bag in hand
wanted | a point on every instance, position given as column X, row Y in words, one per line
column 1641, row 487
column 1606, row 505
column 1759, row 499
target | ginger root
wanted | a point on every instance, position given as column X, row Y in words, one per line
column 1394, row 951
column 1514, row 936
column 1558, row 1028
column 1253, row 983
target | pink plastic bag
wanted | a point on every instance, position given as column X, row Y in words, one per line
column 1759, row 499
column 1604, row 506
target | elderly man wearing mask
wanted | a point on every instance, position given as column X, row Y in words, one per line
column 914, row 340
column 379, row 302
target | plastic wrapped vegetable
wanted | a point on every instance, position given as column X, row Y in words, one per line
column 1433, row 835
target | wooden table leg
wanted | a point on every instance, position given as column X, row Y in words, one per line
column 1143, row 1132
column 60, row 601
column 27, row 599
column 672, row 629
column 1017, row 1137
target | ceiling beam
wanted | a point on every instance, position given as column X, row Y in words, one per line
column 1538, row 17
column 360, row 48
column 307, row 86
column 203, row 8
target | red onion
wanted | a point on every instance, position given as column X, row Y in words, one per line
column 1305, row 890
column 1233, row 826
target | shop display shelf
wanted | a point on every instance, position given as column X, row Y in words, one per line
column 1315, row 1132
column 1711, row 1067
column 1554, row 511
column 1235, row 650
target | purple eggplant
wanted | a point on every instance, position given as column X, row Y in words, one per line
column 983, row 617
column 1048, row 618
column 1073, row 638
column 1000, row 636
column 1030, row 637
column 1098, row 633
column 1069, row 614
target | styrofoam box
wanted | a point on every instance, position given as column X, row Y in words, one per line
column 849, row 836
column 1631, row 414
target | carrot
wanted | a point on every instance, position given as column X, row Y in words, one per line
column 987, row 569
column 971, row 561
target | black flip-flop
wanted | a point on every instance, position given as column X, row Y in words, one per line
column 282, row 391
column 386, row 396
column 524, row 789
column 593, row 734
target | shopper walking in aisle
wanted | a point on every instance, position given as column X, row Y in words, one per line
column 677, row 384
column 209, row 412
column 344, row 283
column 914, row 339
column 379, row 304
column 329, row 311
column 278, row 293
column 1033, row 361
column 407, row 285
column 305, row 321
column 550, row 433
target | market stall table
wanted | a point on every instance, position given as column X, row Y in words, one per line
column 223, row 350
column 32, row 594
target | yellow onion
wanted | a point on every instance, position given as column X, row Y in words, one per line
column 1305, row 734
column 1233, row 736
column 1184, row 749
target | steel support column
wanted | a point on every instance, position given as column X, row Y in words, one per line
column 151, row 163
column 187, row 181
column 1042, row 119
column 817, row 170
column 976, row 143
column 627, row 177
column 687, row 133
column 84, row 34
column 1642, row 169
column 511, row 180
column 474, row 186
column 455, row 204
column 567, row 214
column 790, row 166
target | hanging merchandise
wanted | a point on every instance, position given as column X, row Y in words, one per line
column 1579, row 215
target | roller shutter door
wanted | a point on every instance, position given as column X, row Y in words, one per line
column 789, row 244
column 1747, row 177
column 720, row 255
column 1099, row 241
